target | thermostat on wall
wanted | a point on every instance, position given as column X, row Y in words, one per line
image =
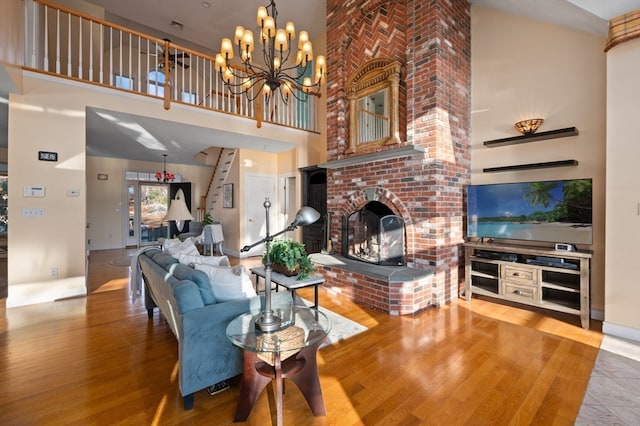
column 34, row 191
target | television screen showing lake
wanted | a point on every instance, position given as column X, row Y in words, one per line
column 555, row 211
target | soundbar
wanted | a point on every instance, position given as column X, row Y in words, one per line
column 554, row 264
column 497, row 255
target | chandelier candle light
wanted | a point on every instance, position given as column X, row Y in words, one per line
column 283, row 70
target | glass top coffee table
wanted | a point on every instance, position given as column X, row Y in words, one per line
column 288, row 353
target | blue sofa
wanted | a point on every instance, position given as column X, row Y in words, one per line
column 186, row 301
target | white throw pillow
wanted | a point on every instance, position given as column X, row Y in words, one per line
column 185, row 247
column 166, row 243
column 204, row 260
column 228, row 283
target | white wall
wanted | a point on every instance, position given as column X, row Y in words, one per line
column 523, row 69
column 622, row 293
column 11, row 41
column 44, row 122
column 49, row 115
column 106, row 198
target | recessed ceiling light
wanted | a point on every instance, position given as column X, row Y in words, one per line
column 206, row 4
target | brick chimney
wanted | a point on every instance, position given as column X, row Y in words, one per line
column 424, row 177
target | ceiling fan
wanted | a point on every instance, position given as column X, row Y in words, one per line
column 174, row 58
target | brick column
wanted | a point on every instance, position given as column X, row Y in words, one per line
column 432, row 41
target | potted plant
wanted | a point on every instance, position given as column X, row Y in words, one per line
column 290, row 258
column 207, row 219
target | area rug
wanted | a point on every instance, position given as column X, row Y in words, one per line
column 342, row 328
column 121, row 261
column 613, row 392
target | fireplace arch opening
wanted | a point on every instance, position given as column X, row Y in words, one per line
column 375, row 235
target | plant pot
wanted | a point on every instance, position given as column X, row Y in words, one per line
column 282, row 269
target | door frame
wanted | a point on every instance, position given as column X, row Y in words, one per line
column 288, row 207
column 250, row 204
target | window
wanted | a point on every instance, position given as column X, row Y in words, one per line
column 148, row 176
column 155, row 85
column 189, row 97
column 124, row 82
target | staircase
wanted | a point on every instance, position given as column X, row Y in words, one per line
column 220, row 174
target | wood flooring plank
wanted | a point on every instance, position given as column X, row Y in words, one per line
column 99, row 360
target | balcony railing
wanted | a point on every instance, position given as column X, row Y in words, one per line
column 69, row 44
column 372, row 126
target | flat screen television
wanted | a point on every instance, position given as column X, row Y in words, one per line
column 555, row 211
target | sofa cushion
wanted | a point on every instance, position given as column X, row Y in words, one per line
column 164, row 260
column 186, row 303
column 185, row 247
column 204, row 260
column 228, row 283
column 183, row 272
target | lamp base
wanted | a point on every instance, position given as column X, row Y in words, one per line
column 267, row 322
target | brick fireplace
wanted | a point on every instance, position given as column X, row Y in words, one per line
column 419, row 180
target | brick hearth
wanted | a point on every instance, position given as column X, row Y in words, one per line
column 397, row 290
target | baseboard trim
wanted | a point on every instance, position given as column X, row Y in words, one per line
column 621, row 331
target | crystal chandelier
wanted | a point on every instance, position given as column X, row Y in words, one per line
column 284, row 70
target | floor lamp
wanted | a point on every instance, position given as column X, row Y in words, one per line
column 266, row 320
column 178, row 211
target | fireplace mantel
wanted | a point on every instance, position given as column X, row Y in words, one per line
column 403, row 151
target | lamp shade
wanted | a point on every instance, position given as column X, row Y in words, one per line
column 305, row 216
column 178, row 209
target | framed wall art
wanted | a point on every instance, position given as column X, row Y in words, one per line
column 227, row 195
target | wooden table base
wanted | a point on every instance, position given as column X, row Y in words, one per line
column 301, row 369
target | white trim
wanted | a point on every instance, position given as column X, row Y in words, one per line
column 621, row 331
column 282, row 198
column 621, row 347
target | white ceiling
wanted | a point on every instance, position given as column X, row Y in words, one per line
column 203, row 28
column 110, row 134
column 591, row 16
column 206, row 26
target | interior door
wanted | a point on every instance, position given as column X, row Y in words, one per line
column 132, row 225
column 153, row 203
column 315, row 235
column 258, row 187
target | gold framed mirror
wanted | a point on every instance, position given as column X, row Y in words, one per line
column 372, row 91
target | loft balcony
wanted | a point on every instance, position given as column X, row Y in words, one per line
column 72, row 45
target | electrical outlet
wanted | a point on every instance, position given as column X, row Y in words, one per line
column 54, row 272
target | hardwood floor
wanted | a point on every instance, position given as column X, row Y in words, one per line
column 98, row 360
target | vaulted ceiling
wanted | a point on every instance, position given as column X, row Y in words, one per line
column 203, row 23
